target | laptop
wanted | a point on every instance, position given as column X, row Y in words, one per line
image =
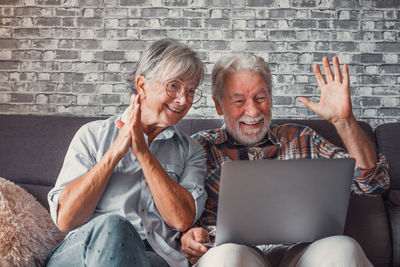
column 283, row 201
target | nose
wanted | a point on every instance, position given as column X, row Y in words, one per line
column 251, row 109
column 182, row 98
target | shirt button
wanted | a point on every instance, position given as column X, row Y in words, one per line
column 148, row 232
column 147, row 184
column 142, row 210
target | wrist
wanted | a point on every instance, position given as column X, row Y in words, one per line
column 345, row 124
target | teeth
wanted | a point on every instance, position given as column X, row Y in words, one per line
column 176, row 110
column 250, row 123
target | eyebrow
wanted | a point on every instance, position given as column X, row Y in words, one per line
column 262, row 90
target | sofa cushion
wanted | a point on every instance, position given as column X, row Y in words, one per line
column 367, row 223
column 27, row 233
column 33, row 147
column 387, row 136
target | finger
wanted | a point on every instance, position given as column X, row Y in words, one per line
column 194, row 260
column 196, row 248
column 137, row 111
column 346, row 76
column 336, row 67
column 318, row 75
column 119, row 124
column 201, row 235
column 308, row 103
column 327, row 69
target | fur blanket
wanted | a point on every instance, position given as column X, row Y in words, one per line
column 27, row 233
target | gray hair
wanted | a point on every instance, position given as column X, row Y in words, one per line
column 236, row 62
column 166, row 59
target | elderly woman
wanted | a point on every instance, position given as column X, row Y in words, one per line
column 130, row 184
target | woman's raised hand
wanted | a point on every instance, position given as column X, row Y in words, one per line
column 131, row 132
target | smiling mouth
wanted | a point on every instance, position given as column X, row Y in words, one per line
column 174, row 109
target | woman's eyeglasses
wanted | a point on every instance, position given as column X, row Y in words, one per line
column 175, row 89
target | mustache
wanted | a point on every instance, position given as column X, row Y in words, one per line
column 251, row 120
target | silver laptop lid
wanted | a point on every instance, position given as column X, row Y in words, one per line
column 283, row 201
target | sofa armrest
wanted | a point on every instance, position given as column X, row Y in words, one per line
column 393, row 207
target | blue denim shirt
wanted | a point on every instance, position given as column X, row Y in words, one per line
column 127, row 193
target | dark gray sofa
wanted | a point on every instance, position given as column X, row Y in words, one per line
column 32, row 149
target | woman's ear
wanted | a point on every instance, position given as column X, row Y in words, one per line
column 140, row 86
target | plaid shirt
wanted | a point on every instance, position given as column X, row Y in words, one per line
column 288, row 141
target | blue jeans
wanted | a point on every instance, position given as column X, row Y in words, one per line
column 108, row 240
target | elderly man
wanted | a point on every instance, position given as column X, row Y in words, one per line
column 241, row 87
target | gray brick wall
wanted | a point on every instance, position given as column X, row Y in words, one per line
column 73, row 56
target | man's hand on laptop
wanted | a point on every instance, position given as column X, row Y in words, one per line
column 192, row 243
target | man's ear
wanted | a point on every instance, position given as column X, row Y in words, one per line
column 218, row 107
column 140, row 86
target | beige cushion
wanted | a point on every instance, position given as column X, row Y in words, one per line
column 27, row 233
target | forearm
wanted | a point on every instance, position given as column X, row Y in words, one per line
column 79, row 199
column 175, row 204
column 357, row 143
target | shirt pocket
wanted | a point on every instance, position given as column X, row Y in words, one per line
column 174, row 171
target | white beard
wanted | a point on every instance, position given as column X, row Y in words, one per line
column 249, row 137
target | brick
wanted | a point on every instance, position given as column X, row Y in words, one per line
column 346, row 24
column 154, row 34
column 261, row 23
column 322, row 14
column 89, row 22
column 346, row 4
column 301, row 46
column 91, row 3
column 187, row 13
column 67, row 54
column 215, row 45
column 175, row 22
column 217, row 23
column 110, row 99
column 111, row 77
column 240, row 14
column 372, row 14
column 21, row 98
column 28, row 11
column 10, row 2
column 68, row 12
column 371, row 58
column 282, row 100
column 62, row 99
column 115, row 12
column 304, row 24
column 26, row 32
column 261, row 3
column 387, row 4
column 391, row 58
column 304, row 3
column 163, row 12
column 282, row 13
column 389, row 112
column 323, row 46
column 48, row 2
column 5, row 55
column 175, row 3
column 53, row 22
column 8, row 44
column 84, row 88
column 388, row 47
column 27, row 55
column 260, row 46
column 344, row 46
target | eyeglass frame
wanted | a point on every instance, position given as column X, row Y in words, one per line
column 197, row 91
